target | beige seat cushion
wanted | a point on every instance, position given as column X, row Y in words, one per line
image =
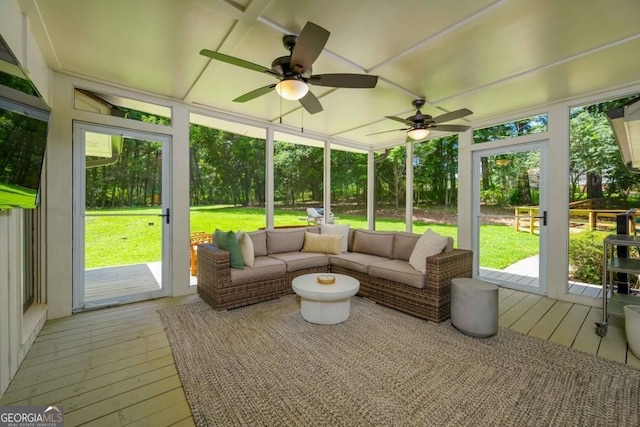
column 356, row 261
column 404, row 244
column 378, row 243
column 449, row 246
column 300, row 260
column 262, row 266
column 398, row 271
column 259, row 239
column 285, row 240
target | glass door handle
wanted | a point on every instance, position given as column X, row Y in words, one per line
column 167, row 215
column 544, row 217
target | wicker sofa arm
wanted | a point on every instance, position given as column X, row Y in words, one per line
column 214, row 270
column 443, row 267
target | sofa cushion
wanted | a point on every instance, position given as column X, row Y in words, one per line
column 322, row 243
column 429, row 244
column 300, row 260
column 285, row 240
column 259, row 239
column 262, row 266
column 378, row 243
column 246, row 247
column 449, row 246
column 337, row 230
column 352, row 234
column 403, row 245
column 356, row 261
column 399, row 271
column 228, row 241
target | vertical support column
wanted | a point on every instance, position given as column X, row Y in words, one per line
column 59, row 201
column 371, row 201
column 326, row 193
column 179, row 177
column 557, row 171
column 466, row 212
column 409, row 188
column 269, row 179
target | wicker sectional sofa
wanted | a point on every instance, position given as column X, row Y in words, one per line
column 378, row 259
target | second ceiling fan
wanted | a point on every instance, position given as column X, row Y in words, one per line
column 294, row 71
column 420, row 125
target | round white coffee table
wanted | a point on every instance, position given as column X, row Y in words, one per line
column 325, row 304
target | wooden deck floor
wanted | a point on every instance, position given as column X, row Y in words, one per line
column 114, row 367
column 499, row 276
column 121, row 281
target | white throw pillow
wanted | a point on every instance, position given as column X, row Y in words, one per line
column 246, row 247
column 429, row 244
column 337, row 230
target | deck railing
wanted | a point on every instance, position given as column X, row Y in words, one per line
column 526, row 218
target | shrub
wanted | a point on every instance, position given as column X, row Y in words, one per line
column 585, row 257
column 492, row 197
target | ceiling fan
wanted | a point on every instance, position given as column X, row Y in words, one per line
column 294, row 71
column 420, row 125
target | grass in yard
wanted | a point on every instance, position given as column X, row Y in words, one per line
column 11, row 195
column 111, row 240
column 116, row 240
column 501, row 246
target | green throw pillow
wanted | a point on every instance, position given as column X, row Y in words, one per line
column 227, row 241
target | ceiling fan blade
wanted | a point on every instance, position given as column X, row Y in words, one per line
column 238, row 62
column 451, row 116
column 310, row 43
column 254, row 93
column 450, row 128
column 356, row 81
column 311, row 103
column 386, row 131
column 400, row 119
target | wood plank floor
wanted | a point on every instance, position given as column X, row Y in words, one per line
column 114, row 367
column 121, row 281
column 106, row 367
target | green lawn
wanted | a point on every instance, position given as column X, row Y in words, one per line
column 128, row 240
column 11, row 195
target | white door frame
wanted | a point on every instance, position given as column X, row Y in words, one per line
column 477, row 154
column 79, row 203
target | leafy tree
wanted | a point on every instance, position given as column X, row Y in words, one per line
column 593, row 152
column 348, row 177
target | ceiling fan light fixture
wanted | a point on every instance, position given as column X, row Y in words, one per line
column 418, row 133
column 292, row 89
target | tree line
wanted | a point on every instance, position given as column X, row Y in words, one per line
column 227, row 168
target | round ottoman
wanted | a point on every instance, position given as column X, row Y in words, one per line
column 632, row 327
column 474, row 307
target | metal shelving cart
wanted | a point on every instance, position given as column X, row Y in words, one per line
column 612, row 302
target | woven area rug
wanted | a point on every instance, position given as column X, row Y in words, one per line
column 264, row 365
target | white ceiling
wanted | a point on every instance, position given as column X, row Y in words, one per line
column 493, row 57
